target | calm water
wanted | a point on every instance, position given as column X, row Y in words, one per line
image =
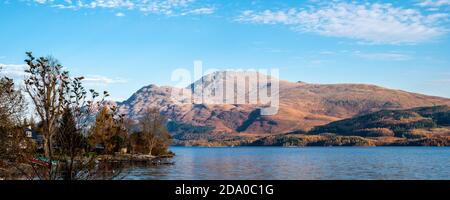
column 302, row 163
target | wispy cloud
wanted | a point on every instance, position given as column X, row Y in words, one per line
column 389, row 56
column 367, row 22
column 200, row 11
column 17, row 72
column 165, row 7
column 42, row 1
column 434, row 3
column 102, row 80
column 377, row 56
column 120, row 14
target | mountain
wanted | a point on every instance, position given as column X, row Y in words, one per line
column 423, row 126
column 302, row 106
column 398, row 123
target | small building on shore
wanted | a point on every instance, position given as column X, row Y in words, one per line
column 35, row 137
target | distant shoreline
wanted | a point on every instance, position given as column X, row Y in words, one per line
column 292, row 140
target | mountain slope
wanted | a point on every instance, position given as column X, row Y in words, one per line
column 398, row 123
column 302, row 106
column 424, row 126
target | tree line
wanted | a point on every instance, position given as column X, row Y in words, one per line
column 76, row 126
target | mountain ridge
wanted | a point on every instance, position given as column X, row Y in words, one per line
column 303, row 106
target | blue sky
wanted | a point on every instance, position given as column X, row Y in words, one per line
column 123, row 45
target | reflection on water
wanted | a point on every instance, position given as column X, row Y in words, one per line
column 301, row 163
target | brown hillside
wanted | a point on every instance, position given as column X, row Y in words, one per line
column 302, row 106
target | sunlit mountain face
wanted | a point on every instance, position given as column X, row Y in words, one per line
column 302, row 106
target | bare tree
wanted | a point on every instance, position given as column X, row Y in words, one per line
column 154, row 131
column 46, row 83
column 83, row 109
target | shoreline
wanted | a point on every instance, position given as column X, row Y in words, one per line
column 136, row 158
column 305, row 140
